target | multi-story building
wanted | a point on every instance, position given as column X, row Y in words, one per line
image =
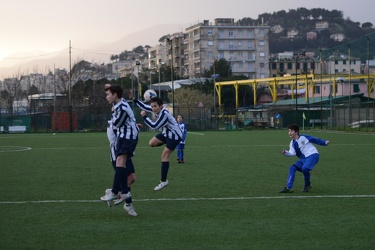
column 157, row 56
column 246, row 48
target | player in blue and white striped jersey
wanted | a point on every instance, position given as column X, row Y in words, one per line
column 301, row 146
column 181, row 146
column 123, row 120
column 171, row 134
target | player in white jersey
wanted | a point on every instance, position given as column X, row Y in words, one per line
column 302, row 147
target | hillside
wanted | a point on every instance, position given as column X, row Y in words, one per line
column 303, row 20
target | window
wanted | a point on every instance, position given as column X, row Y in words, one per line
column 239, row 44
column 273, row 65
column 250, row 56
column 261, row 32
column 290, row 65
column 344, row 62
column 261, row 43
column 210, row 43
column 209, row 32
column 281, row 65
column 250, row 34
column 356, row 88
column 261, row 65
column 250, row 44
column 230, row 45
column 262, row 54
column 317, row 89
column 230, row 34
column 221, row 45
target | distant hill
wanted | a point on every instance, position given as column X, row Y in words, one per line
column 303, row 20
column 100, row 54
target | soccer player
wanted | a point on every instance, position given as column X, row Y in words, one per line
column 171, row 134
column 181, row 145
column 126, row 141
column 301, row 146
column 111, row 133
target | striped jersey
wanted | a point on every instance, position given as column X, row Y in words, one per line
column 124, row 121
column 303, row 147
column 184, row 130
column 164, row 120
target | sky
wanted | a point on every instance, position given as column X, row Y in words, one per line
column 45, row 26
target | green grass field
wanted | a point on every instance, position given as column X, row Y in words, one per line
column 224, row 197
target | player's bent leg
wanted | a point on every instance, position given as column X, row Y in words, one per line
column 155, row 142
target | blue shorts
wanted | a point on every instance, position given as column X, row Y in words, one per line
column 308, row 162
column 169, row 143
column 125, row 146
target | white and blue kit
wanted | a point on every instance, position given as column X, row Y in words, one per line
column 181, row 146
column 308, row 156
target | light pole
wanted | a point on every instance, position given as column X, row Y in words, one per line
column 296, row 87
column 171, row 44
column 215, row 95
column 139, row 84
column 159, row 80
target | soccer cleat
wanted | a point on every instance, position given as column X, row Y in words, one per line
column 109, row 197
column 130, row 210
column 109, row 203
column 161, row 185
column 306, row 189
column 286, row 190
column 122, row 197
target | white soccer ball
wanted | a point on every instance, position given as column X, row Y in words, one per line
column 150, row 93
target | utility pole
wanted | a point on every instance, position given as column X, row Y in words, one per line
column 70, row 88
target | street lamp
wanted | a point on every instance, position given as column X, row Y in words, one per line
column 139, row 84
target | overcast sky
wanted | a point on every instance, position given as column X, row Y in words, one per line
column 43, row 26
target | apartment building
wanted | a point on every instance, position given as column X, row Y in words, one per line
column 246, row 48
column 192, row 52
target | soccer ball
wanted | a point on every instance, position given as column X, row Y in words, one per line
column 150, row 93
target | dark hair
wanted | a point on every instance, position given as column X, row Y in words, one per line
column 294, row 127
column 158, row 100
column 116, row 89
column 180, row 115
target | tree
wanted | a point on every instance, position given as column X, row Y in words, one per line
column 367, row 25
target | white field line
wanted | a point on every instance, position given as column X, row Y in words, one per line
column 204, row 199
column 4, row 149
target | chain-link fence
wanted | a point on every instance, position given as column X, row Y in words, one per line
column 356, row 116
